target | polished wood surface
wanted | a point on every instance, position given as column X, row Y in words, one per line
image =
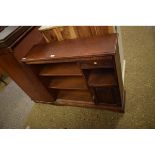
column 61, row 69
column 68, row 83
column 70, row 49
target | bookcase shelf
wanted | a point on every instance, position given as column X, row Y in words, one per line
column 74, row 95
column 68, row 83
column 101, row 78
column 61, row 69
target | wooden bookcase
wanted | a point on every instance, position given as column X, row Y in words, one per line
column 80, row 72
column 75, row 66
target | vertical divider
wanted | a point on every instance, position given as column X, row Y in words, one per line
column 86, row 80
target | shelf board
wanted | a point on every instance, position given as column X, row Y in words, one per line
column 74, row 95
column 61, row 69
column 72, row 49
column 99, row 78
column 68, row 83
column 114, row 107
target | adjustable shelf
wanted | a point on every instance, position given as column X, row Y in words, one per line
column 68, row 83
column 61, row 69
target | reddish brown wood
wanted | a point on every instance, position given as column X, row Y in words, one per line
column 1, row 71
column 101, row 78
column 84, row 31
column 32, row 38
column 19, row 72
column 61, row 69
column 112, row 107
column 68, row 83
column 75, row 95
column 105, row 62
column 70, row 49
column 24, row 78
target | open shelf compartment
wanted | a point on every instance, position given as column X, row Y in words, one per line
column 61, row 69
column 78, row 96
column 108, row 95
column 101, row 78
column 68, row 83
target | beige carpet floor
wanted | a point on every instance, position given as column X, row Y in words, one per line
column 139, row 49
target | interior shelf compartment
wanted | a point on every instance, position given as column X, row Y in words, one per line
column 68, row 83
column 108, row 95
column 101, row 78
column 61, row 69
column 74, row 95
